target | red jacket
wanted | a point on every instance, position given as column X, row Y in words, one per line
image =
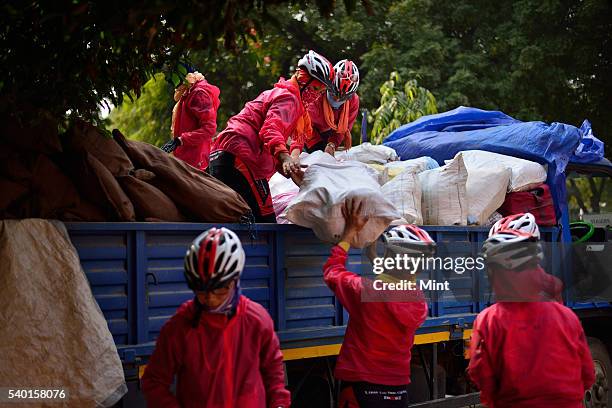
column 529, row 354
column 259, row 133
column 379, row 335
column 320, row 126
column 221, row 363
column 196, row 123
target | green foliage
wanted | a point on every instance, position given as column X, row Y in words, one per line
column 71, row 56
column 149, row 117
column 400, row 104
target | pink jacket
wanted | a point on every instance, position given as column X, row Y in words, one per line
column 196, row 123
column 259, row 133
column 319, row 125
column 221, row 363
column 379, row 335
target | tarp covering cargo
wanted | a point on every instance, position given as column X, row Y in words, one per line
column 552, row 144
column 52, row 332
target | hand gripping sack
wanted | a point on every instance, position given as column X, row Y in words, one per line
column 326, row 188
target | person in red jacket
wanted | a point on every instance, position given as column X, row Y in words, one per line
column 526, row 351
column 220, row 346
column 254, row 144
column 333, row 116
column 374, row 360
column 194, row 120
column 552, row 287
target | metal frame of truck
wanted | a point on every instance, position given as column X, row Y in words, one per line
column 135, row 272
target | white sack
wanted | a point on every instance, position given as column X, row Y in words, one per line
column 444, row 200
column 486, row 191
column 404, row 192
column 368, row 153
column 324, row 191
column 395, row 168
column 525, row 174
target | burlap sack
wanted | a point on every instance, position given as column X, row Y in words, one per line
column 84, row 136
column 197, row 194
column 149, row 203
column 123, row 207
column 35, row 135
column 52, row 332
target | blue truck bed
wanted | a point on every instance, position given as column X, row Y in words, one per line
column 136, row 274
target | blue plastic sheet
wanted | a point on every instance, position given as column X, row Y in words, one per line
column 590, row 149
column 459, row 119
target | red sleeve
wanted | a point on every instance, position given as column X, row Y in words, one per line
column 480, row 368
column 586, row 360
column 346, row 285
column 162, row 367
column 280, row 119
column 201, row 105
column 271, row 367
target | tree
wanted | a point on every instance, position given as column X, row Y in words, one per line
column 70, row 56
column 399, row 105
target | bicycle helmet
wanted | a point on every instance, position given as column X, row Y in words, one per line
column 524, row 222
column 317, row 67
column 408, row 239
column 512, row 250
column 346, row 80
column 213, row 260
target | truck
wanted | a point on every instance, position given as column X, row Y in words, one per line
column 135, row 271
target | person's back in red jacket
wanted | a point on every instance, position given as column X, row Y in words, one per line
column 526, row 350
column 221, row 346
column 194, row 121
column 375, row 354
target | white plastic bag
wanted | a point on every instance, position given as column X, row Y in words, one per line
column 324, row 191
column 444, row 200
column 404, row 192
column 368, row 153
column 525, row 174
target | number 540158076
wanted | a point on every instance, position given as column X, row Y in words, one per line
column 36, row 394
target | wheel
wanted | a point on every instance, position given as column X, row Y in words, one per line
column 599, row 396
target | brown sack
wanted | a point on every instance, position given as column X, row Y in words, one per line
column 150, row 203
column 10, row 193
column 84, row 211
column 198, row 194
column 112, row 190
column 84, row 136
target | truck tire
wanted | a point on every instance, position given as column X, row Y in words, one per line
column 599, row 396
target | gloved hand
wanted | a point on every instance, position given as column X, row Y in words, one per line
column 171, row 145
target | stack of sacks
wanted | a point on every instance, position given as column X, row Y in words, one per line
column 490, row 175
column 326, row 188
column 404, row 189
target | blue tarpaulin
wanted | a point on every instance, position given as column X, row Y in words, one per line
column 443, row 135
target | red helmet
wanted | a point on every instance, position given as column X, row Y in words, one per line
column 409, row 239
column 317, row 67
column 524, row 222
column 214, row 259
column 346, row 80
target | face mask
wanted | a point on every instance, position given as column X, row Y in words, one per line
column 229, row 302
column 334, row 103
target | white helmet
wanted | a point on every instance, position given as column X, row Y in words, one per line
column 408, row 239
column 512, row 250
column 214, row 259
column 524, row 222
column 317, row 67
column 346, row 80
